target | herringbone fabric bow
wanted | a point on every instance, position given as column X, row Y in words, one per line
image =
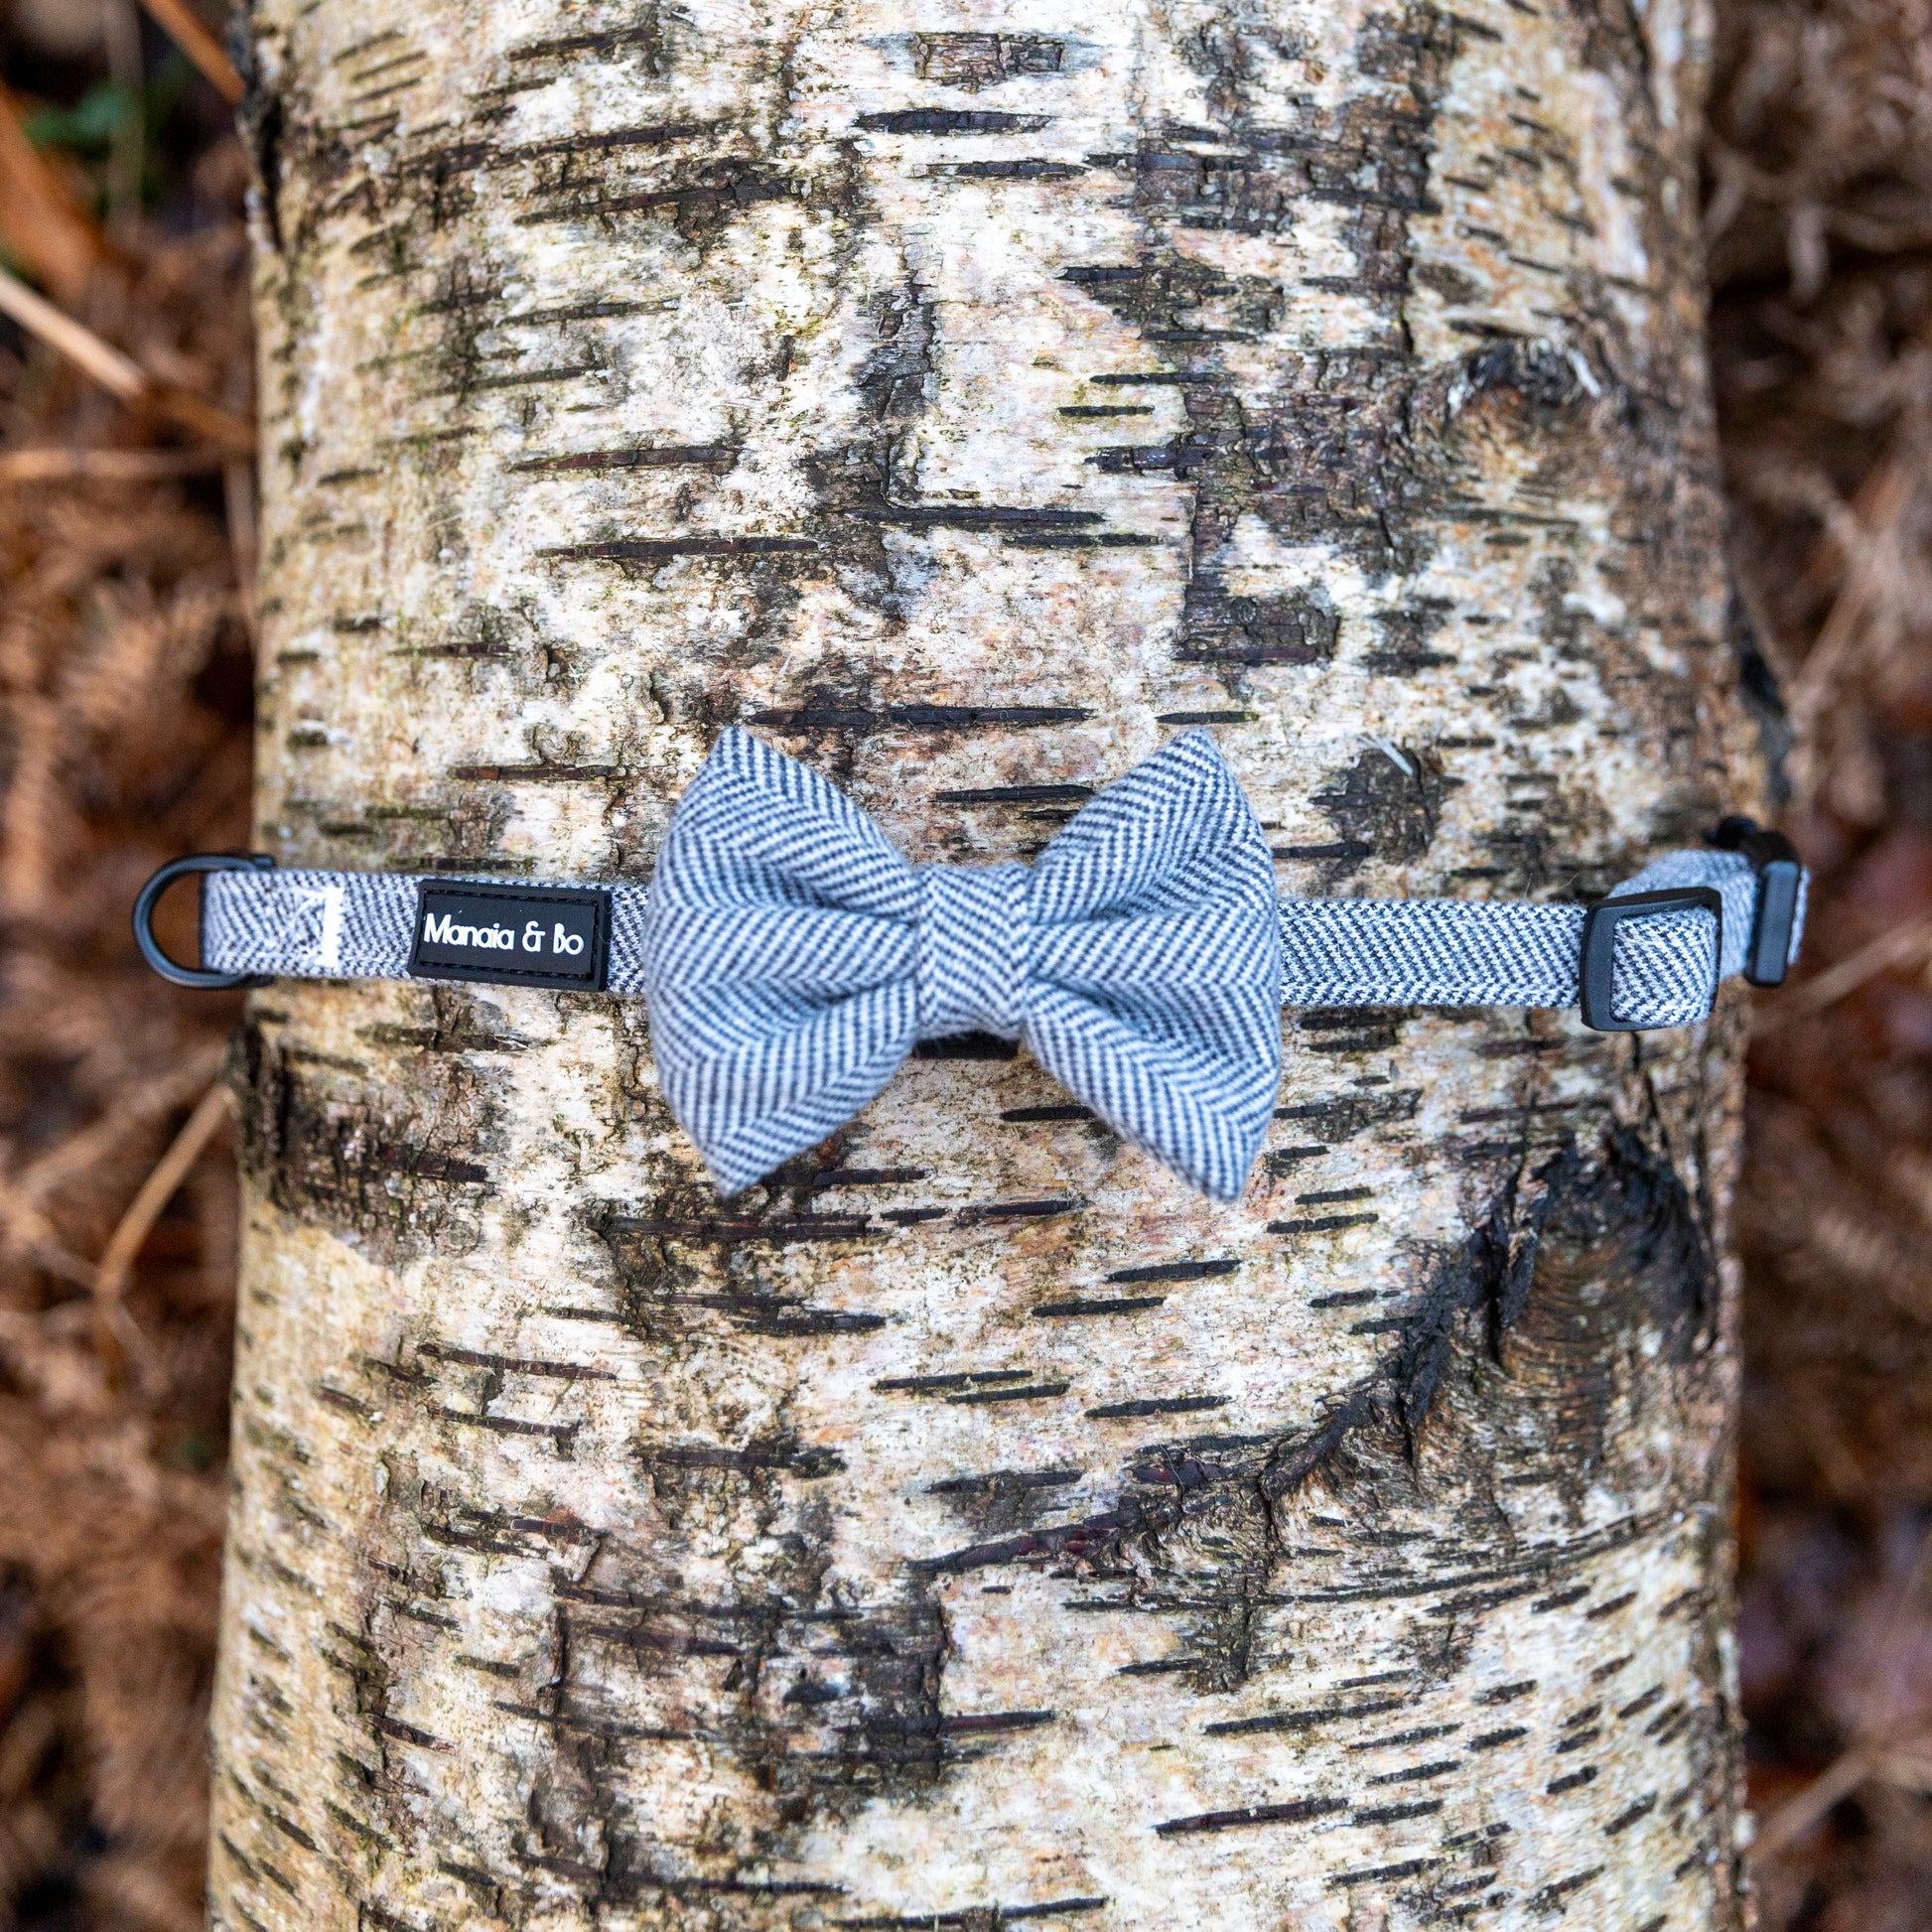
column 793, row 959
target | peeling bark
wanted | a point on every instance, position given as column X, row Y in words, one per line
column 969, row 1525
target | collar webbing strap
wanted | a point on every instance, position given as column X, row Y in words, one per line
column 1664, row 957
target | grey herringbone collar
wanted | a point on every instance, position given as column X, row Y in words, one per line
column 791, row 957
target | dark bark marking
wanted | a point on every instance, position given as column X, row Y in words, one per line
column 333, row 1147
column 1401, row 1738
column 1019, row 795
column 1394, row 1814
column 1611, row 1609
column 1560, row 1601
column 1509, row 1693
column 512, row 1364
column 1309, row 1719
column 949, row 120
column 1348, row 1114
column 1552, row 1895
column 922, row 717
column 1029, row 169
column 560, row 1435
column 779, row 1315
column 967, row 1046
column 1624, row 1819
column 1176, row 1271
column 395, row 1728
column 820, row 1227
column 1478, row 1837
column 945, row 1384
column 1334, row 849
column 1182, row 1405
column 716, row 457
column 1625, row 1216
column 1418, row 1773
column 978, row 1918
column 655, row 134
column 1296, row 1812
column 972, row 1724
column 1002, row 1500
column 1121, row 1305
column 783, row 1454
column 607, row 40
column 974, row 61
column 1374, row 1874
column 1378, row 803
column 664, row 550
column 1035, row 1392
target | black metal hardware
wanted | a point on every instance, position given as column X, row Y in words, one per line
column 150, row 898
column 1780, row 880
column 1600, row 922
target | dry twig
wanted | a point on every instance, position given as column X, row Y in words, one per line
column 1798, row 1814
column 118, row 372
column 1903, row 945
column 54, row 464
column 119, row 1327
column 110, row 1277
column 38, row 218
column 177, row 21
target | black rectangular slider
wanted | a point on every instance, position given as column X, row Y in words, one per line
column 1780, row 875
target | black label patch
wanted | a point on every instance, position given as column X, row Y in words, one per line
column 512, row 935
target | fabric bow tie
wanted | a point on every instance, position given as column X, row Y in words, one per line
column 792, row 958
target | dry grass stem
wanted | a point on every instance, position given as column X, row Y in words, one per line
column 21, row 467
column 1799, row 1814
column 119, row 374
column 1904, row 946
column 38, row 219
column 110, row 1275
column 178, row 22
column 66, row 337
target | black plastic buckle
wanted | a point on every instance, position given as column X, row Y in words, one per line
column 1780, row 873
column 1599, row 946
column 150, row 898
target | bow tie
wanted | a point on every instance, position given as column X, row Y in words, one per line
column 792, row 958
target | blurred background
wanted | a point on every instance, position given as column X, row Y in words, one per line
column 127, row 541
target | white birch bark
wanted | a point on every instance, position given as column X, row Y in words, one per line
column 971, row 1526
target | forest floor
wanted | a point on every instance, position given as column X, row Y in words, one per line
column 126, row 649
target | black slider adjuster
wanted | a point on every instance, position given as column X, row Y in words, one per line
column 1780, row 877
column 1598, row 974
column 169, row 969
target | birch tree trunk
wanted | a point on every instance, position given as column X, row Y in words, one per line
column 970, row 1525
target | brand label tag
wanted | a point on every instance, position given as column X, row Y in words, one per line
column 512, row 935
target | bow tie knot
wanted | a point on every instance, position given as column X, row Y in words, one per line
column 792, row 958
column 975, row 935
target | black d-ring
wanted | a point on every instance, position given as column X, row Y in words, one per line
column 151, row 896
